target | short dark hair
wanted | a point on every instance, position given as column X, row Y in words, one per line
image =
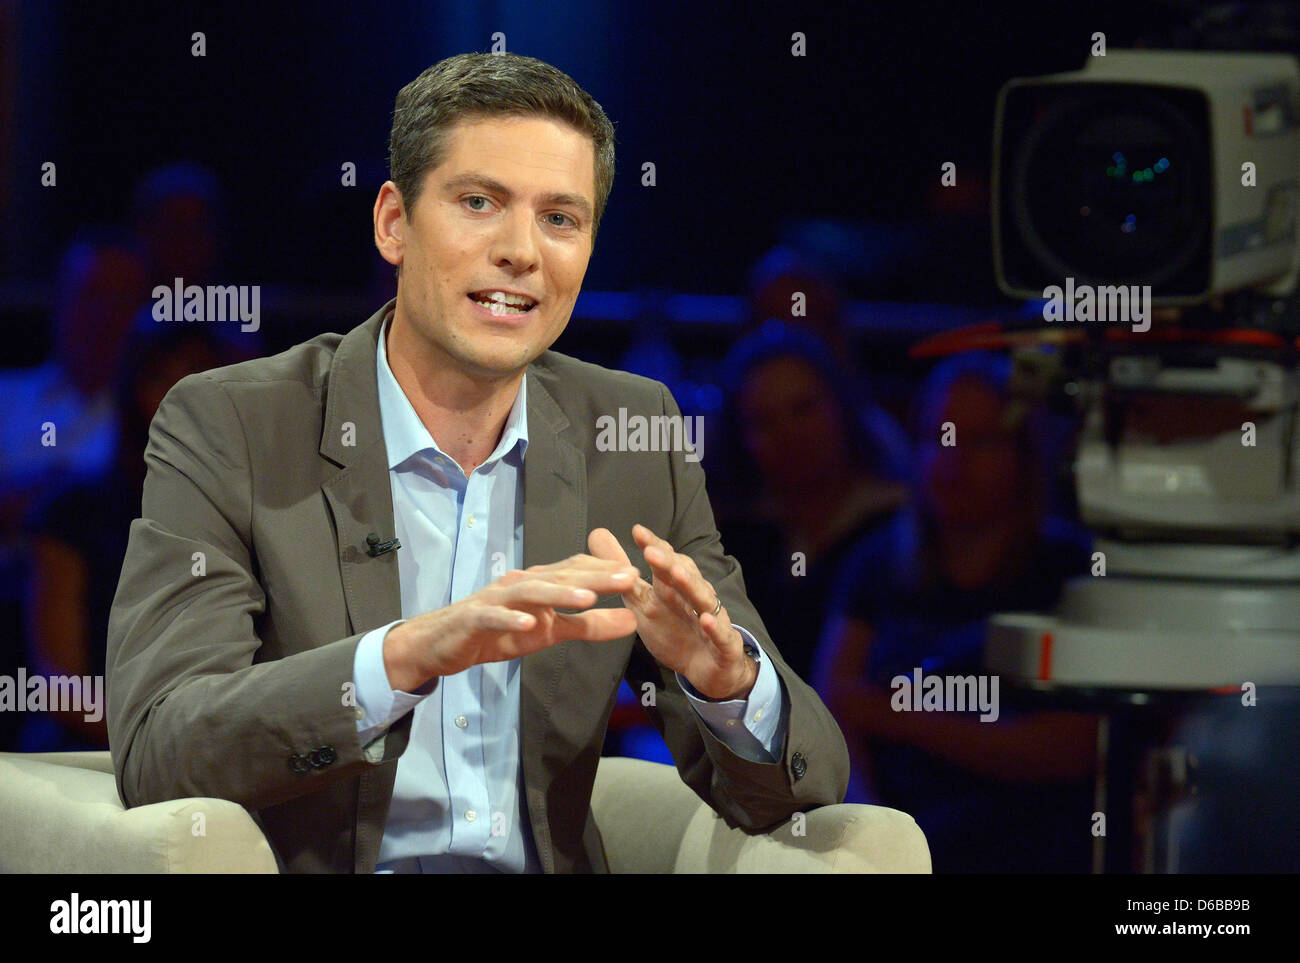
column 476, row 85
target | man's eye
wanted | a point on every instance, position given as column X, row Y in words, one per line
column 475, row 197
column 572, row 222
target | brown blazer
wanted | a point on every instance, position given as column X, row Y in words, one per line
column 246, row 588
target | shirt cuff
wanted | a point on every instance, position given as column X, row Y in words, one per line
column 379, row 705
column 761, row 733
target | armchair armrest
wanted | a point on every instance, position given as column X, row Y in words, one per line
column 60, row 813
column 652, row 822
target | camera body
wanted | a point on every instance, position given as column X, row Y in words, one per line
column 1176, row 175
column 1174, row 169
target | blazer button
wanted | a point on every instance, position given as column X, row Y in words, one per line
column 323, row 756
column 799, row 765
column 299, row 764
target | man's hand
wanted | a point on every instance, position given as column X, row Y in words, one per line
column 705, row 648
column 514, row 615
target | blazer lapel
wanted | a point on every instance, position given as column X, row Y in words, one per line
column 360, row 498
column 555, row 527
column 359, row 493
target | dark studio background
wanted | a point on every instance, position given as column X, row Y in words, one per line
column 830, row 160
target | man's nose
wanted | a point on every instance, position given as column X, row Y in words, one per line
column 516, row 242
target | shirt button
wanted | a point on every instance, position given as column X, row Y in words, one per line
column 461, row 722
column 470, row 521
column 758, row 714
column 470, row 815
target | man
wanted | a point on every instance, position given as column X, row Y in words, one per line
column 440, row 706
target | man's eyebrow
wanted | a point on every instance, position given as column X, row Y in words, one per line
column 462, row 181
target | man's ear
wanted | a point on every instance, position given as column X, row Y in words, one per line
column 390, row 224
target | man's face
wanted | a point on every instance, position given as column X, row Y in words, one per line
column 509, row 210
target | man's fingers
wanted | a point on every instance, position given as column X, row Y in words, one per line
column 604, row 545
column 549, row 594
column 676, row 571
column 606, row 579
column 665, row 591
column 581, row 562
column 718, row 629
column 598, row 625
column 648, row 540
column 644, row 537
column 499, row 618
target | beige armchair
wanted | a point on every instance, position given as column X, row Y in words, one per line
column 60, row 813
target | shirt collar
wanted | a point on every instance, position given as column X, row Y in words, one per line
column 405, row 434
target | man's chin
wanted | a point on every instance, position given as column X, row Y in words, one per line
column 497, row 364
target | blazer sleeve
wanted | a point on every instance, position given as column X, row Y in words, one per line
column 191, row 710
column 812, row 767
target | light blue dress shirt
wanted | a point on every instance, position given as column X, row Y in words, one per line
column 458, row 803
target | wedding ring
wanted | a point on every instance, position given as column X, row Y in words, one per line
column 716, row 609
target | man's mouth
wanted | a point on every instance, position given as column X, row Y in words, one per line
column 502, row 302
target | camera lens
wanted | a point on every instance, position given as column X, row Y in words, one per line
column 1109, row 186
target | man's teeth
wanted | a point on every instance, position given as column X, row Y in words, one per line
column 502, row 303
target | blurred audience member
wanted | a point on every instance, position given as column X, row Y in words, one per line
column 57, row 420
column 804, row 480
column 177, row 212
column 781, row 274
column 78, row 536
column 1011, row 795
